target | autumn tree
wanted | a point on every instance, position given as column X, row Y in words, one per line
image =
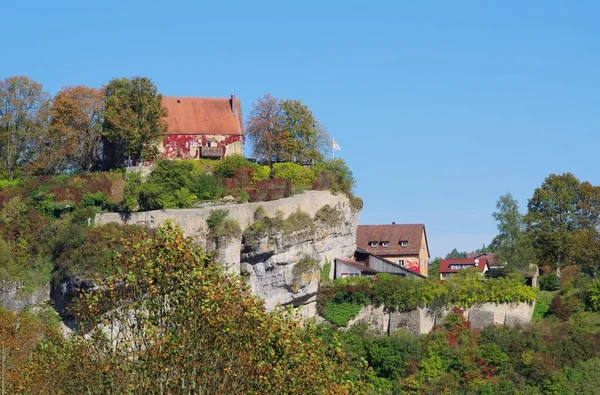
column 73, row 140
column 172, row 321
column 512, row 243
column 563, row 217
column 134, row 118
column 285, row 131
column 23, row 119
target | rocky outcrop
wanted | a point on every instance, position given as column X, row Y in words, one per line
column 269, row 262
column 421, row 321
column 14, row 295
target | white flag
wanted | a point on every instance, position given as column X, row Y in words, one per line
column 335, row 145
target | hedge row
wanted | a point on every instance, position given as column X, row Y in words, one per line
column 405, row 294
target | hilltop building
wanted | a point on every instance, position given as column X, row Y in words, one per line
column 403, row 244
column 202, row 127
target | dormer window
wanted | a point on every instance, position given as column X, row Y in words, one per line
column 385, row 243
column 373, row 244
column 404, row 243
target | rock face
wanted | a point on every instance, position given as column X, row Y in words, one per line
column 13, row 295
column 269, row 262
column 422, row 321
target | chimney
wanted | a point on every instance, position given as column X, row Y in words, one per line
column 233, row 105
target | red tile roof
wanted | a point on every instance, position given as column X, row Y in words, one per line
column 393, row 234
column 204, row 115
column 357, row 265
column 445, row 264
column 490, row 256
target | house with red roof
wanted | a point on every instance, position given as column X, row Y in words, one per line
column 403, row 244
column 451, row 266
column 202, row 127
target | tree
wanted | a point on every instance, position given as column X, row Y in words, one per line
column 512, row 243
column 172, row 321
column 134, row 117
column 434, row 269
column 559, row 210
column 454, row 254
column 304, row 130
column 23, row 118
column 73, row 141
column 285, row 130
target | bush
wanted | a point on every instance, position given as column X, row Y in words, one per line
column 267, row 190
column 329, row 216
column 561, row 307
column 222, row 227
column 228, row 166
column 334, row 175
column 297, row 174
column 593, row 297
column 549, row 282
column 341, row 313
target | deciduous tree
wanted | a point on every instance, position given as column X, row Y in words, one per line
column 285, row 130
column 74, row 138
column 559, row 209
column 512, row 243
column 23, row 119
column 134, row 117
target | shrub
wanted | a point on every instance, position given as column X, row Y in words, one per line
column 97, row 199
column 329, row 216
column 267, row 190
column 228, row 166
column 335, row 176
column 593, row 297
column 306, row 265
column 297, row 174
column 562, row 308
column 356, row 203
column 261, row 173
column 222, row 227
column 549, row 282
column 325, row 272
column 207, row 187
column 341, row 313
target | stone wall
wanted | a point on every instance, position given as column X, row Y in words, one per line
column 268, row 264
column 422, row 321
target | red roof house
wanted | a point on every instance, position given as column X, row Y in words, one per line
column 202, row 127
column 450, row 266
column 404, row 244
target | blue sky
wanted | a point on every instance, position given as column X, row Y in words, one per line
column 439, row 107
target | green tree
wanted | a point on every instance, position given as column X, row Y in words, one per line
column 559, row 209
column 134, row 116
column 172, row 321
column 285, row 131
column 23, row 120
column 434, row 269
column 512, row 244
column 454, row 254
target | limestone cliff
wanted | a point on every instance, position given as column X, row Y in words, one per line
column 277, row 263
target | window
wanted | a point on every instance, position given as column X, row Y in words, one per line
column 401, row 262
column 373, row 243
column 404, row 243
column 353, row 274
column 385, row 243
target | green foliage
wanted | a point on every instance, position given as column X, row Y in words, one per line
column 329, row 216
column 298, row 174
column 221, row 227
column 134, row 117
column 593, row 297
column 334, row 175
column 405, row 294
column 188, row 326
column 542, row 304
column 8, row 183
column 171, row 184
column 227, row 167
column 549, row 282
column 433, row 270
column 356, row 203
column 455, row 254
column 341, row 313
column 325, row 270
column 306, row 266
